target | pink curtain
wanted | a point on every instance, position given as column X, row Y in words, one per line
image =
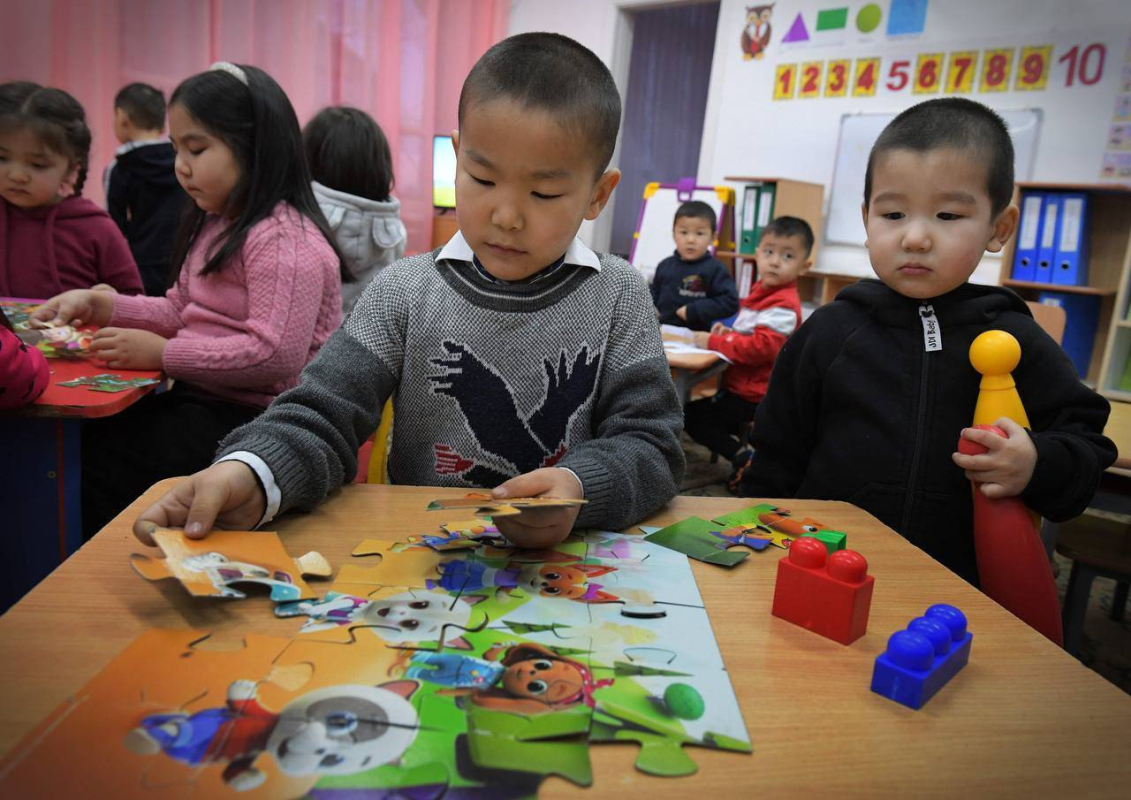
column 403, row 61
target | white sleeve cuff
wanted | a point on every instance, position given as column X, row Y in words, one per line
column 270, row 488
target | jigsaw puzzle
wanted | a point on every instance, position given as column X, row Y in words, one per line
column 423, row 672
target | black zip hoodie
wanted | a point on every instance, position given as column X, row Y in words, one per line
column 858, row 410
column 145, row 199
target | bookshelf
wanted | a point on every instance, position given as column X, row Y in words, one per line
column 1109, row 263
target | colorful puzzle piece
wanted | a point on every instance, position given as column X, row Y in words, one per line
column 488, row 505
column 107, row 382
column 212, row 567
column 698, row 539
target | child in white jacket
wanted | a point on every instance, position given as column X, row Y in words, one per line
column 353, row 177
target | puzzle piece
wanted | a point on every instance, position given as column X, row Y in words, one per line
column 106, row 382
column 487, row 505
column 210, row 567
column 399, row 617
column 772, row 518
column 695, row 537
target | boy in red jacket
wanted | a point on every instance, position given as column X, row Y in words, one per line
column 766, row 317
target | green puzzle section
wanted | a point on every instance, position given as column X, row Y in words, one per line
column 833, row 540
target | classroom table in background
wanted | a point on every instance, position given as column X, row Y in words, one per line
column 40, row 469
column 691, row 369
column 1023, row 718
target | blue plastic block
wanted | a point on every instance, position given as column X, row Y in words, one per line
column 923, row 658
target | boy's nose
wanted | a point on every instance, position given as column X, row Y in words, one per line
column 917, row 239
column 507, row 217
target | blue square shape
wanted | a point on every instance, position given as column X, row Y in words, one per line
column 907, row 17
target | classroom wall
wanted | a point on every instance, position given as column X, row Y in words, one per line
column 747, row 132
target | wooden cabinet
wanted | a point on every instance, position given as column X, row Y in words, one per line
column 1109, row 257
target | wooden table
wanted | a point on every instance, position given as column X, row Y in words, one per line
column 691, row 369
column 1022, row 719
column 40, row 466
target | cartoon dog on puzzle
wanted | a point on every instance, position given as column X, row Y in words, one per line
column 223, row 572
column 338, row 730
column 569, row 581
column 518, row 678
column 406, row 618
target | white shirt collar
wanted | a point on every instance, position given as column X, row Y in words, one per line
column 128, row 146
column 457, row 249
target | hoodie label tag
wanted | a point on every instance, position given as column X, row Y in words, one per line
column 932, row 334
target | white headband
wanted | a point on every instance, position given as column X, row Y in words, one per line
column 231, row 69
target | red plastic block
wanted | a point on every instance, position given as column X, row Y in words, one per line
column 829, row 594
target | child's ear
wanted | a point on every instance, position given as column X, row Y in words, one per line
column 1004, row 226
column 808, row 265
column 601, row 192
column 455, row 141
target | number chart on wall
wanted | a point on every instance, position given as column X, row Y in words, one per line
column 1030, row 68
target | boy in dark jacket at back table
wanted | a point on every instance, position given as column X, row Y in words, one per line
column 692, row 288
column 142, row 192
column 862, row 406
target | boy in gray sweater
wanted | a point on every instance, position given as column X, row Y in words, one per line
column 515, row 356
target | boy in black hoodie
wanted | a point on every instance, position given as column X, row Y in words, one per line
column 142, row 192
column 863, row 407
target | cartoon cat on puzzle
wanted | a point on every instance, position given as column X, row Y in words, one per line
column 406, row 618
column 338, row 730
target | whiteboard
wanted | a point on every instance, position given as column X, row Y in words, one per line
column 858, row 132
column 654, row 241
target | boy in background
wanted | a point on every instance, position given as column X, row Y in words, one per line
column 142, row 192
column 863, row 406
column 692, row 288
column 766, row 318
column 515, row 356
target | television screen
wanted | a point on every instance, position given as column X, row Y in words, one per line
column 443, row 172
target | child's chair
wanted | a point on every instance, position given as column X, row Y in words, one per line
column 373, row 456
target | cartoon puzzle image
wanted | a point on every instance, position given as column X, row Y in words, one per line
column 472, row 672
column 213, row 566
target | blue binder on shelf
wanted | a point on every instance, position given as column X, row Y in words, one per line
column 1046, row 249
column 1070, row 263
column 1082, row 312
column 1028, row 237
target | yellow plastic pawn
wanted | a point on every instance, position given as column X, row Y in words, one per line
column 995, row 354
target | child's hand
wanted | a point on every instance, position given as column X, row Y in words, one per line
column 77, row 307
column 681, row 312
column 720, row 329
column 702, row 340
column 227, row 493
column 129, row 348
column 539, row 527
column 1005, row 469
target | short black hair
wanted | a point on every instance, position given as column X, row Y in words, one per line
column 552, row 73
column 696, row 209
column 143, row 104
column 786, row 227
column 958, row 123
column 348, row 152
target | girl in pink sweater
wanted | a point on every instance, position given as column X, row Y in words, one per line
column 23, row 370
column 258, row 292
column 51, row 238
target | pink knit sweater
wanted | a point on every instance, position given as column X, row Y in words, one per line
column 244, row 333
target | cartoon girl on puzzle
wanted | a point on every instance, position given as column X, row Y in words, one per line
column 223, row 573
column 338, row 730
column 520, row 678
column 570, row 581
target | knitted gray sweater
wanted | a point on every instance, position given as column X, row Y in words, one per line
column 488, row 381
